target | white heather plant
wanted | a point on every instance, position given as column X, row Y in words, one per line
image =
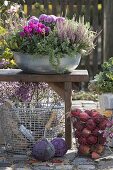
column 52, row 36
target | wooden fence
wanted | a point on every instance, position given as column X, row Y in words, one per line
column 92, row 11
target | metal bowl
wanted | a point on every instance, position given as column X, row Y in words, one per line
column 40, row 64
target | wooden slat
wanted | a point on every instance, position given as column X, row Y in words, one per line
column 95, row 27
column 71, row 8
column 18, row 75
column 68, row 125
column 102, row 33
column 46, row 6
column 58, row 88
column 87, row 19
column 63, row 8
column 29, row 7
column 54, row 7
column 79, row 9
column 87, row 10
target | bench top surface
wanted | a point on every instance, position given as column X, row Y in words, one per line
column 19, row 75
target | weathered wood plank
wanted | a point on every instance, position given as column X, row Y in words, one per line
column 29, row 7
column 63, row 8
column 102, row 33
column 19, row 75
column 58, row 88
column 54, row 7
column 79, row 9
column 68, row 125
column 87, row 19
column 71, row 8
column 108, row 28
column 87, row 10
column 95, row 27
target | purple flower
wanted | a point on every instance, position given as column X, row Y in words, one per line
column 42, row 17
column 22, row 34
column 111, row 135
column 106, row 134
column 109, row 124
column 47, row 29
column 28, row 29
column 33, row 20
column 54, row 18
column 60, row 19
column 38, row 30
column 3, row 63
column 49, row 19
column 41, row 25
column 41, row 29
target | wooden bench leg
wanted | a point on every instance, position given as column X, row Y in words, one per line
column 68, row 103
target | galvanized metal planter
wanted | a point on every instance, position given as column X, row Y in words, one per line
column 41, row 64
column 106, row 101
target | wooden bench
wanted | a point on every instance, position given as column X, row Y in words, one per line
column 61, row 83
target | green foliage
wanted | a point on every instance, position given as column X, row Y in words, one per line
column 6, row 56
column 2, row 30
column 103, row 82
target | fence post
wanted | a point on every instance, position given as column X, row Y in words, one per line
column 108, row 29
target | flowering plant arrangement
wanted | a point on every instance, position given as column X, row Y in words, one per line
column 53, row 36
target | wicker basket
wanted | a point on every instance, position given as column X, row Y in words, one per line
column 25, row 123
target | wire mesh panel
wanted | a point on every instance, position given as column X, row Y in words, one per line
column 29, row 111
column 25, row 123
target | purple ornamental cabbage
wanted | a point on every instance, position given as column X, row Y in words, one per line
column 60, row 146
column 43, row 150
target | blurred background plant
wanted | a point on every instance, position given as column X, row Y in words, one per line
column 103, row 82
column 9, row 13
column 82, row 95
column 27, row 92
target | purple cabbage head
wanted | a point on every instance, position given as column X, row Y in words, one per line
column 60, row 146
column 43, row 150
